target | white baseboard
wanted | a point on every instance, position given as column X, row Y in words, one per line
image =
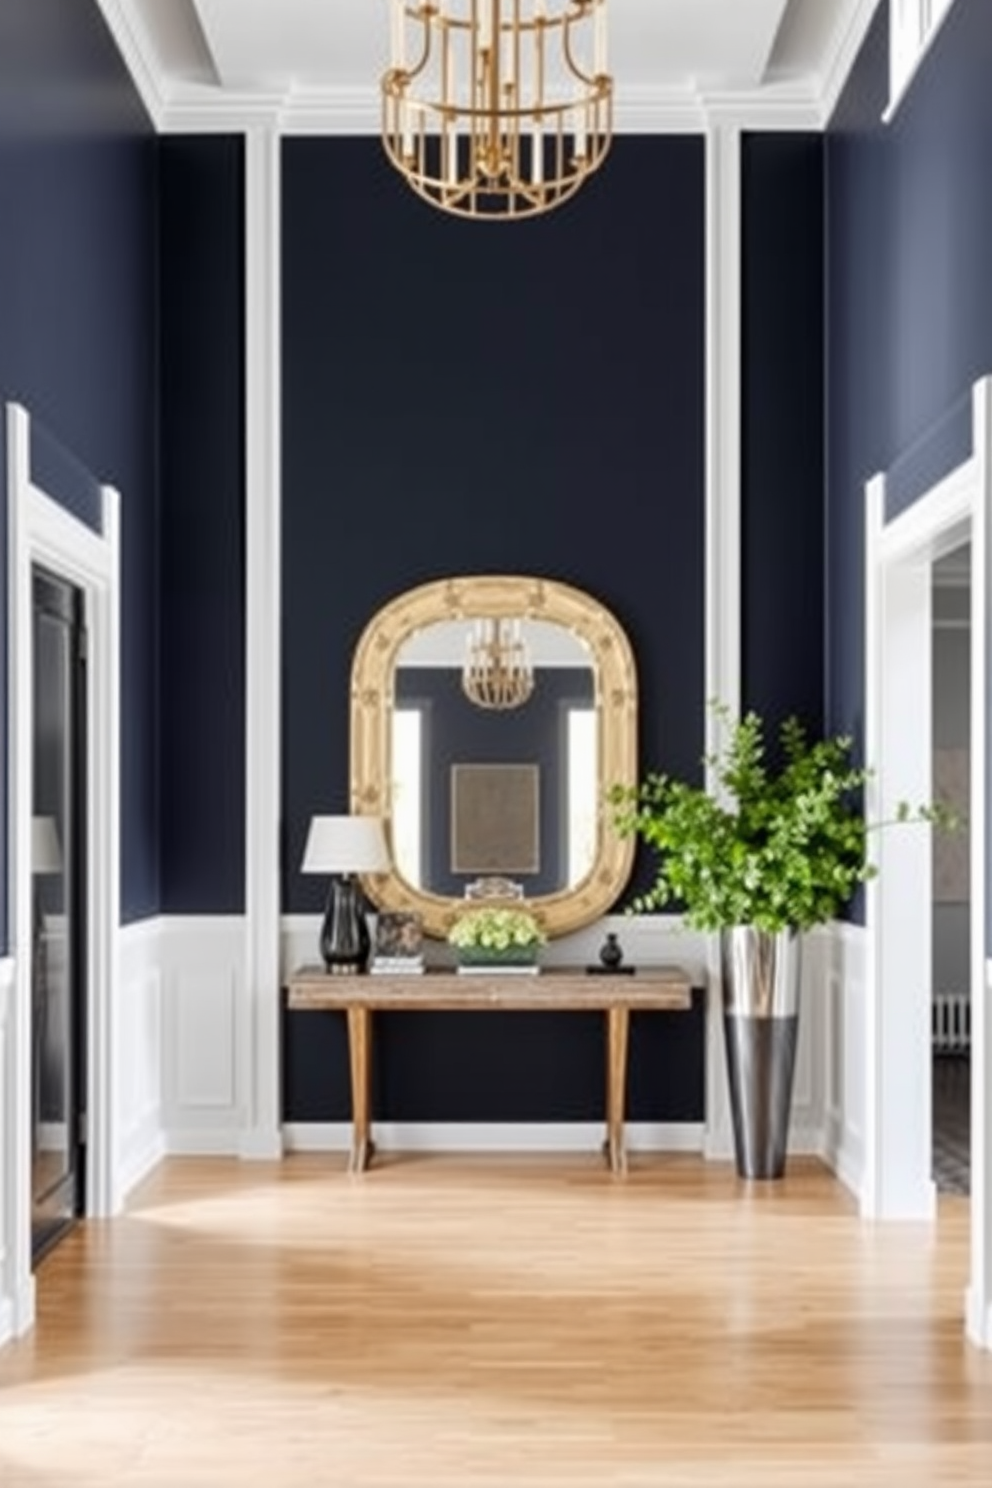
column 145, row 1150
column 494, row 1136
column 843, row 1154
column 17, row 1313
column 978, row 1319
column 259, row 1145
column 206, row 1141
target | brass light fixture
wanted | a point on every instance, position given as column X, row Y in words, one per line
column 498, row 673
column 497, row 109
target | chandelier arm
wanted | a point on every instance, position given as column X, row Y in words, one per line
column 424, row 17
column 567, row 23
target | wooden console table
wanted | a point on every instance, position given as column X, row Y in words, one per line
column 664, row 988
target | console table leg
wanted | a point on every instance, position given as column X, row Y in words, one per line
column 616, row 1086
column 359, row 1047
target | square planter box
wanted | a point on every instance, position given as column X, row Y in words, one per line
column 490, row 959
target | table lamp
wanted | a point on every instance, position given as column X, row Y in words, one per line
column 345, row 846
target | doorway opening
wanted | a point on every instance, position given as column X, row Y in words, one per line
column 902, row 547
column 951, row 981
column 58, row 910
column 46, row 1089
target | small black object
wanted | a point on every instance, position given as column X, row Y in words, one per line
column 611, row 952
column 344, row 937
column 611, row 959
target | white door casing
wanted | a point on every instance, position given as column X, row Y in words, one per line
column 899, row 556
column 42, row 532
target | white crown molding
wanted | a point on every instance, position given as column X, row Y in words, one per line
column 135, row 46
column 179, row 106
column 851, row 34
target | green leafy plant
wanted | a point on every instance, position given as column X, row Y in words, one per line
column 769, row 848
column 496, row 929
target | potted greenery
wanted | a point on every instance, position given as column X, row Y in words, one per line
column 766, row 854
column 496, row 937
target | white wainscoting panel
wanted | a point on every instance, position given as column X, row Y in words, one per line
column 845, row 1053
column 7, row 1207
column 806, row 1126
column 206, row 1029
column 647, row 940
column 138, row 1056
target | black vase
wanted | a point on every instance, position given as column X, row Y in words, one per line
column 610, row 953
column 344, row 936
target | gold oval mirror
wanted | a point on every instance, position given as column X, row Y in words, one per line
column 488, row 717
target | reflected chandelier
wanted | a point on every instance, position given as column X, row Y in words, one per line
column 498, row 672
column 497, row 109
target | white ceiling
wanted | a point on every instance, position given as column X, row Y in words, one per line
column 320, row 60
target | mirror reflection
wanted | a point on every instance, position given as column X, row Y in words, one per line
column 495, row 758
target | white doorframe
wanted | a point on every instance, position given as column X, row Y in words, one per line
column 899, row 558
column 42, row 532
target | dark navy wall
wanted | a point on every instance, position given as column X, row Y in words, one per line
column 459, row 732
column 782, row 431
column 462, row 399
column 203, row 539
column 78, row 319
column 909, row 243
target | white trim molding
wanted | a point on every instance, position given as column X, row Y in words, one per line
column 138, row 1055
column 978, row 1296
column 127, row 26
column 8, row 1086
column 843, row 991
column 899, row 559
column 182, row 105
column 913, row 29
column 42, row 532
column 723, row 533
column 263, row 639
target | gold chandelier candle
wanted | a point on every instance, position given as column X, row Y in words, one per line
column 497, row 109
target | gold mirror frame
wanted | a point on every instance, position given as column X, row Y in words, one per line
column 496, row 596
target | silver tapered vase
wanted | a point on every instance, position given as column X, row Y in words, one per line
column 760, row 973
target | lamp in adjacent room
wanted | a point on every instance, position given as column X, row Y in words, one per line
column 46, row 854
column 497, row 109
column 344, row 846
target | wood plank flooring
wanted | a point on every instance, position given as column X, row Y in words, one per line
column 475, row 1321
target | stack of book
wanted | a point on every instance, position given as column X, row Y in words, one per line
column 397, row 965
column 398, row 948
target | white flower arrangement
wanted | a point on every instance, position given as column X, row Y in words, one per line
column 496, row 930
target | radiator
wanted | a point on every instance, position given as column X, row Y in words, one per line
column 951, row 1017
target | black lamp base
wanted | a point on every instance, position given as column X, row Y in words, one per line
column 344, row 936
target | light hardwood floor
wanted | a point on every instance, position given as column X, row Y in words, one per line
column 459, row 1322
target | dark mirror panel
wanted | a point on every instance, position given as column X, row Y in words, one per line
column 57, row 1016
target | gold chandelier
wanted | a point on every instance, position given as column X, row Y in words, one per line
column 498, row 671
column 497, row 109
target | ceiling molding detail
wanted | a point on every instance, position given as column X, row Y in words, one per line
column 135, row 46
column 844, row 55
column 182, row 107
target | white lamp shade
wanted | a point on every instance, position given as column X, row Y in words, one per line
column 345, row 844
column 46, row 853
